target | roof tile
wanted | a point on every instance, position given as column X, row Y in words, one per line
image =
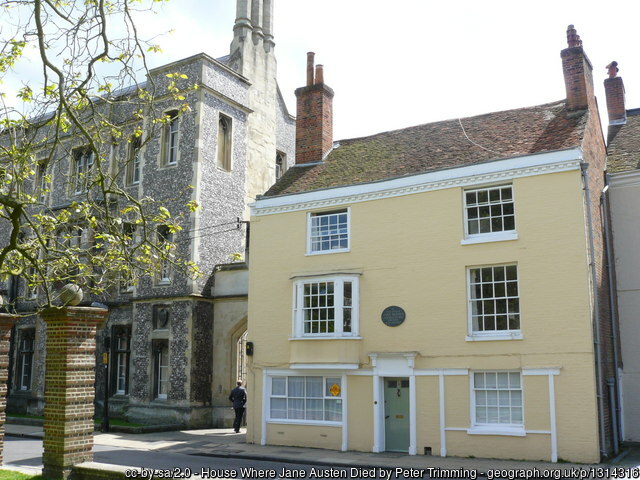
column 623, row 146
column 439, row 145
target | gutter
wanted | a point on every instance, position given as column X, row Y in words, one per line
column 596, row 310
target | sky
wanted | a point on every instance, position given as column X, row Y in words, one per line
column 408, row 62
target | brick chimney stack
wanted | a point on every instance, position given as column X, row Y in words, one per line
column 614, row 90
column 314, row 116
column 578, row 73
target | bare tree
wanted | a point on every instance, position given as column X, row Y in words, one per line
column 65, row 213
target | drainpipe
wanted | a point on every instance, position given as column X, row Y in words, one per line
column 614, row 318
column 611, row 383
column 596, row 313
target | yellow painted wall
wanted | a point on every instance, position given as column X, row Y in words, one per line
column 360, row 413
column 428, row 415
column 304, row 435
column 409, row 254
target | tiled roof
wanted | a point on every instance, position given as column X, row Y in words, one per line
column 439, row 145
column 623, row 145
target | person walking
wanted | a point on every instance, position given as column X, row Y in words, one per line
column 238, row 397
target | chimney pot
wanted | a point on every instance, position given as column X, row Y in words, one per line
column 310, row 56
column 573, row 39
column 319, row 74
column 613, row 69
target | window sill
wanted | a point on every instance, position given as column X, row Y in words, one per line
column 518, row 431
column 163, row 283
column 489, row 237
column 355, row 337
column 325, row 252
column 494, row 336
column 304, row 422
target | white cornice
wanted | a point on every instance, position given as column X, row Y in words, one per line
column 483, row 173
column 625, row 179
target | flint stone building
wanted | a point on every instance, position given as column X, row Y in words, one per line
column 175, row 343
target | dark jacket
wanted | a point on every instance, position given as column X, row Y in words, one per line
column 238, row 396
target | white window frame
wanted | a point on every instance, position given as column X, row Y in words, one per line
column 498, row 236
column 509, row 429
column 312, row 215
column 502, row 334
column 338, row 303
column 161, row 358
column 122, row 363
column 301, row 421
column 170, row 149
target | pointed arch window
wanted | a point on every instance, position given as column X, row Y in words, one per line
column 224, row 143
column 281, row 165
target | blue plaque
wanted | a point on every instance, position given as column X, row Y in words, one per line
column 393, row 316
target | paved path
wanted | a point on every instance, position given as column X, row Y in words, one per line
column 227, row 444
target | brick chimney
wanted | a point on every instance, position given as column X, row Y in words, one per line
column 614, row 90
column 314, row 116
column 578, row 73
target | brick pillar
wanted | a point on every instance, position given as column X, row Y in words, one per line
column 6, row 322
column 69, row 387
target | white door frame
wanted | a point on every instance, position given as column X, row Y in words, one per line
column 392, row 364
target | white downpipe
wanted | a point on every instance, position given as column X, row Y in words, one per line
column 552, row 419
column 413, row 420
column 377, row 405
column 345, row 420
column 443, row 435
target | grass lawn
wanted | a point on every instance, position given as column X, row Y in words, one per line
column 9, row 475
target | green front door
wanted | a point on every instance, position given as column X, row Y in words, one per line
column 396, row 414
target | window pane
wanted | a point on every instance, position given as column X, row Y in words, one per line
column 481, row 415
column 296, row 386
column 516, row 415
column 314, row 409
column 278, row 408
column 516, row 397
column 295, row 408
column 505, row 415
column 314, row 387
column 333, row 387
column 492, row 415
column 278, row 386
column 471, row 198
column 333, row 410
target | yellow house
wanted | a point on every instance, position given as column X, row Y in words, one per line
column 434, row 290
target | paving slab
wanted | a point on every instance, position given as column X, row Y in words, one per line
column 228, row 444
